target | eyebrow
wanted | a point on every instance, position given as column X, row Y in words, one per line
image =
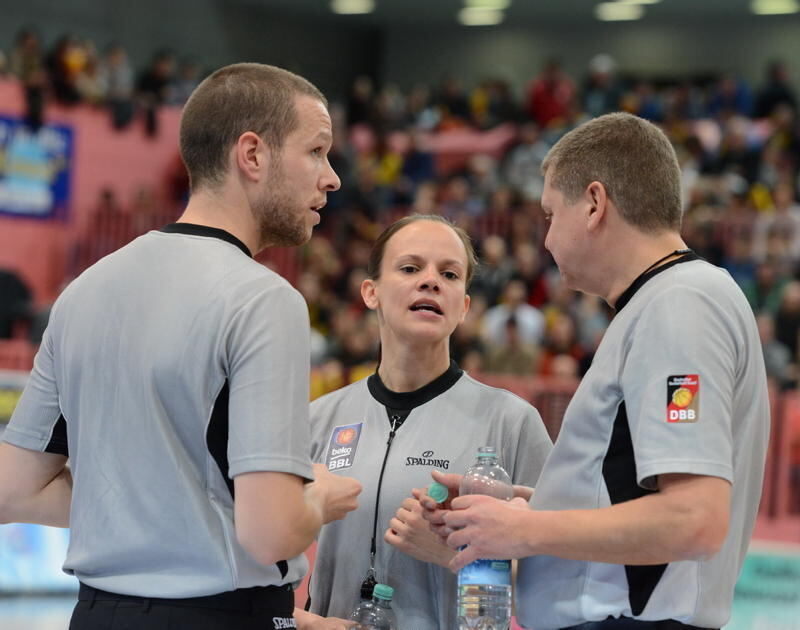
column 324, row 136
column 417, row 258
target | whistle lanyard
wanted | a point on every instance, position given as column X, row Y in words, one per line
column 396, row 418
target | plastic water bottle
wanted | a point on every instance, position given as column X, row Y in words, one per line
column 376, row 614
column 484, row 586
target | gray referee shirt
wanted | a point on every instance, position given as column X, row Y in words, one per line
column 170, row 367
column 677, row 386
column 445, row 423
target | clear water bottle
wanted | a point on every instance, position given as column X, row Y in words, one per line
column 377, row 613
column 484, row 586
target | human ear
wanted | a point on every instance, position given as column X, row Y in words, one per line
column 252, row 156
column 369, row 294
column 598, row 202
column 467, row 301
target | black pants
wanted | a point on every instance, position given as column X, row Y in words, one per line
column 258, row 608
column 625, row 623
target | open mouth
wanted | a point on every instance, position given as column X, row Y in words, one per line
column 425, row 306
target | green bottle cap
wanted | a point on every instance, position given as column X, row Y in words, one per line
column 438, row 492
column 383, row 591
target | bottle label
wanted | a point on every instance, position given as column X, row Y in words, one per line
column 492, row 572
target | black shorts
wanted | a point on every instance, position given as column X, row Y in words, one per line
column 257, row 608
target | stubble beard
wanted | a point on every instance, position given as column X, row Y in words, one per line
column 279, row 222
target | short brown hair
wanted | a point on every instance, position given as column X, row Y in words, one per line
column 233, row 100
column 378, row 249
column 632, row 158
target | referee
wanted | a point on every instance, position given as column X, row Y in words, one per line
column 174, row 374
column 645, row 507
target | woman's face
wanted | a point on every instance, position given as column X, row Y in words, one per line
column 420, row 295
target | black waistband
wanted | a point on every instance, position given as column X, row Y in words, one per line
column 623, row 623
column 243, row 599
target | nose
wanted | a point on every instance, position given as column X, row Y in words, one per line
column 330, row 180
column 429, row 280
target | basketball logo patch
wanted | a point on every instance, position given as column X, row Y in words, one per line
column 683, row 398
column 342, row 446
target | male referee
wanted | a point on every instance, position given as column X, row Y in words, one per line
column 174, row 374
column 645, row 507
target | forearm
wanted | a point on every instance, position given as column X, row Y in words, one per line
column 653, row 529
column 48, row 506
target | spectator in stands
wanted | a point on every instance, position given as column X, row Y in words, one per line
column 187, row 79
column 154, row 87
column 787, row 319
column 116, row 78
column 522, row 169
column 453, row 104
column 766, row 291
column 781, row 369
column 729, row 96
column 27, row 63
column 495, row 271
column 360, row 105
column 418, row 163
column 560, row 338
column 89, row 82
column 421, row 113
column 65, row 63
column 776, row 90
column 529, row 320
column 513, row 355
column 16, row 304
column 551, row 96
column 601, row 92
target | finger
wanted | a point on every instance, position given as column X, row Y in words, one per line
column 391, row 537
column 462, row 559
column 417, row 493
column 397, row 525
column 456, row 519
column 443, row 531
column 410, row 504
column 459, row 538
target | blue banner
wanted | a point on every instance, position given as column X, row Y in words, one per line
column 35, row 169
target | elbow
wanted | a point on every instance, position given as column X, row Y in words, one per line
column 705, row 536
column 260, row 549
column 267, row 549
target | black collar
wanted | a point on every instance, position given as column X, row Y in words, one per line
column 410, row 400
column 637, row 284
column 204, row 230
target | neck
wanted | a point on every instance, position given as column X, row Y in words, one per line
column 406, row 368
column 641, row 257
column 225, row 210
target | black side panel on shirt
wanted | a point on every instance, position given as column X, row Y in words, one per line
column 58, row 439
column 619, row 473
column 217, row 442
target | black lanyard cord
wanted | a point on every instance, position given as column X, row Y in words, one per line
column 373, row 545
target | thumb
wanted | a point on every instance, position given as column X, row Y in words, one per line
column 451, row 480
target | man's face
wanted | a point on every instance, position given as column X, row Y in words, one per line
column 566, row 232
column 300, row 177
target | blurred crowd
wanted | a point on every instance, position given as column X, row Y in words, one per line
column 738, row 146
column 72, row 71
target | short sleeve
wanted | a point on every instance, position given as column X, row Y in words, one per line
column 678, row 384
column 37, row 423
column 268, row 372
